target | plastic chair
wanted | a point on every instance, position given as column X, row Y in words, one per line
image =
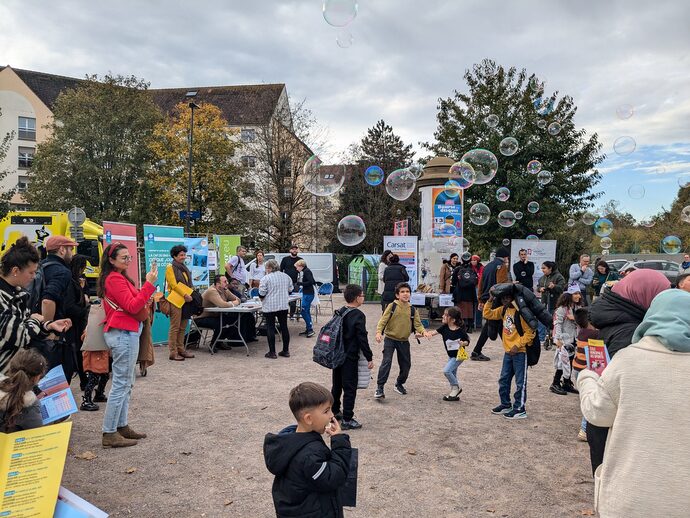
column 254, row 292
column 326, row 295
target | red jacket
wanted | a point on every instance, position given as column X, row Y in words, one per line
column 120, row 291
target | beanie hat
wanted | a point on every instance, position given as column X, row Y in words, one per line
column 574, row 288
column 502, row 253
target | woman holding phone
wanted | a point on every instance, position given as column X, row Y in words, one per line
column 126, row 308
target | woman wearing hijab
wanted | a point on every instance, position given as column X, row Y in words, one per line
column 641, row 397
column 616, row 314
column 464, row 289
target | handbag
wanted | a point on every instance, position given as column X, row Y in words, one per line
column 164, row 306
column 95, row 339
column 141, row 315
column 462, row 354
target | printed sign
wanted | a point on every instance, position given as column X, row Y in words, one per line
column 447, row 212
column 406, row 248
column 197, row 260
column 537, row 252
column 597, row 356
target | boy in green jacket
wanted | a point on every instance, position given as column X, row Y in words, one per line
column 398, row 321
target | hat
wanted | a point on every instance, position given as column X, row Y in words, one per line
column 574, row 288
column 55, row 242
column 502, row 253
column 294, row 245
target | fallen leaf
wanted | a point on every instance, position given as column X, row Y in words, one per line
column 87, row 455
column 587, row 512
column 264, row 408
column 172, row 462
column 411, row 452
column 249, row 478
column 491, row 510
column 130, row 470
column 186, row 452
column 227, row 502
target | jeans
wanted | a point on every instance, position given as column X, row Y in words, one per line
column 306, row 310
column 513, row 366
column 450, row 371
column 345, row 382
column 404, row 361
column 282, row 317
column 541, row 331
column 583, row 423
column 124, row 349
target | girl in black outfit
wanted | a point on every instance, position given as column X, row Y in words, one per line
column 394, row 274
column 455, row 339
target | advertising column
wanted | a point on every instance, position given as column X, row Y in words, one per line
column 125, row 233
column 406, row 248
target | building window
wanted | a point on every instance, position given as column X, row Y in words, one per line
column 22, row 183
column 249, row 161
column 27, row 128
column 26, row 157
column 285, row 167
column 287, row 192
column 248, row 135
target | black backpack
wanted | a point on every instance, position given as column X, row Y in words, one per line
column 329, row 350
column 36, row 288
column 467, row 278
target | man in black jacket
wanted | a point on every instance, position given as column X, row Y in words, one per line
column 523, row 271
column 354, row 333
column 287, row 266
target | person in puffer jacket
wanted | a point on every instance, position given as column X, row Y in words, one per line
column 307, row 473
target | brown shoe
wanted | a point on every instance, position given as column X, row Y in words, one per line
column 185, row 354
column 115, row 440
column 176, row 357
column 128, row 433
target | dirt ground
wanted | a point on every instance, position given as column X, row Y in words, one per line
column 419, row 456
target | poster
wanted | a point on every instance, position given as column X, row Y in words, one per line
column 226, row 247
column 537, row 252
column 447, row 212
column 158, row 240
column 125, row 233
column 32, row 462
column 597, row 356
column 406, row 248
column 197, row 260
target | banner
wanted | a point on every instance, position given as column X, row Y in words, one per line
column 158, row 240
column 406, row 248
column 537, row 252
column 446, row 212
column 125, row 233
column 226, row 247
column 401, row 227
column 197, row 260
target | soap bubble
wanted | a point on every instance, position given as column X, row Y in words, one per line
column 463, row 173
column 374, row 175
column 322, row 180
column 539, row 231
column 636, row 191
column 648, row 223
column 605, row 252
column 339, row 13
column 570, row 222
column 416, row 169
column 660, row 170
column 502, row 194
column 544, row 177
column 554, row 128
column 685, row 214
column 506, row 242
column 465, row 244
column 533, row 207
column 344, row 39
column 546, row 107
column 400, row 184
column 671, row 244
column 480, row 214
column 603, row 227
column 541, row 124
column 588, row 218
column 484, row 163
column 518, row 215
column 684, row 180
column 466, row 256
column 351, row 230
column 446, row 230
column 532, row 237
column 452, row 189
column 506, row 218
column 624, row 145
column 491, row 120
column 534, row 166
column 624, row 111
column 508, row 146
column 605, row 243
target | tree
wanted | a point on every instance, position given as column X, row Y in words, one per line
column 98, row 151
column 5, row 196
column 218, row 185
column 571, row 155
column 381, row 147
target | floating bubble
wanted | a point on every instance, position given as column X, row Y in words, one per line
column 570, row 222
column 351, row 230
column 480, row 214
column 624, row 111
column 533, row 207
column 546, row 107
column 466, row 256
column 588, row 218
column 624, row 145
column 508, row 146
column 518, row 215
column 446, row 230
column 506, row 242
column 685, row 214
column 534, row 166
column 503, row 194
column 484, row 163
column 544, row 177
column 605, row 252
column 684, row 180
column 506, row 218
column 400, row 184
column 660, row 170
column 539, row 231
column 339, row 13
column 532, row 237
column 374, row 175
column 417, row 170
column 648, row 223
column 452, row 189
column 636, row 191
column 463, row 173
column 491, row 120
column 554, row 128
column 322, row 180
column 603, row 227
column 671, row 244
column 465, row 244
column 541, row 124
column 344, row 39
column 605, row 243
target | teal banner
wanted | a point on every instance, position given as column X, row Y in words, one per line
column 158, row 240
column 197, row 260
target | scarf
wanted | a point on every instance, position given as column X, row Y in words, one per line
column 668, row 319
column 641, row 286
column 180, row 270
column 685, row 265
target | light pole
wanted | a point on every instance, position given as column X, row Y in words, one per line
column 190, row 95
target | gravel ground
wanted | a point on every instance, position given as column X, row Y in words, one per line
column 419, row 456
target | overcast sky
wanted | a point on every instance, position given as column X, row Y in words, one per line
column 404, row 56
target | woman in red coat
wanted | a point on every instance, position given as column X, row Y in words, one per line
column 125, row 308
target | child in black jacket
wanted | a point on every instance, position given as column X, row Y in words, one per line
column 307, row 473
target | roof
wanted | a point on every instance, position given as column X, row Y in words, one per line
column 47, row 87
column 243, row 105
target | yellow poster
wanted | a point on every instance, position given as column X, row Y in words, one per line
column 32, row 463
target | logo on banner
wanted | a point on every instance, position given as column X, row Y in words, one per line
column 149, row 237
column 108, row 236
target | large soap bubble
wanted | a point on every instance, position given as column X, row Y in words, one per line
column 466, row 256
column 480, row 214
column 446, row 230
column 532, row 237
column 671, row 244
column 503, row 194
column 624, row 111
column 339, row 13
column 636, row 191
column 533, row 207
column 416, row 169
column 685, row 214
column 606, row 243
column 484, row 163
column 322, row 180
column 534, row 166
column 351, row 230
column 588, row 218
column 400, row 184
column 508, row 146
column 506, row 218
column 452, row 189
column 374, row 175
column 554, row 128
column 463, row 173
column 544, row 177
column 603, row 227
column 624, row 145
column 491, row 120
column 648, row 223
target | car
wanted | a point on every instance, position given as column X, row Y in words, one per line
column 616, row 264
column 670, row 269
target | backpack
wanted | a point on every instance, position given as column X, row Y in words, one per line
column 533, row 351
column 412, row 313
column 467, row 278
column 35, row 289
column 329, row 350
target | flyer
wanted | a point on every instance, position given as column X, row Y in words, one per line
column 56, row 397
column 70, row 505
column 597, row 356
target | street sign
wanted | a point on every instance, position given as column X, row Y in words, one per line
column 194, row 214
column 76, row 216
column 77, row 233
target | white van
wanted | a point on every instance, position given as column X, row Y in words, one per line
column 323, row 266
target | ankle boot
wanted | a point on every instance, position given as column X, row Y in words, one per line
column 569, row 387
column 100, row 389
column 185, row 354
column 87, row 403
column 115, row 440
column 128, row 433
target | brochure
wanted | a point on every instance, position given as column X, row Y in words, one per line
column 597, row 356
column 56, row 397
column 70, row 505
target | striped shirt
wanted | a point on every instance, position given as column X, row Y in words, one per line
column 17, row 328
column 274, row 289
column 580, row 360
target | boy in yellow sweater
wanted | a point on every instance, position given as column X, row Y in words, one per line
column 398, row 321
column 517, row 336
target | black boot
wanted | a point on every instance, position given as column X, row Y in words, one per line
column 87, row 404
column 569, row 387
column 556, row 385
column 100, row 390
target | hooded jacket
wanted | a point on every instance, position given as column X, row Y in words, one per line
column 549, row 296
column 393, row 275
column 307, row 473
column 616, row 318
column 30, row 416
column 495, row 272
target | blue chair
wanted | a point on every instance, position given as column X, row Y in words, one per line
column 326, row 295
column 254, row 292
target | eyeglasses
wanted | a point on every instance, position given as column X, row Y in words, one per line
column 126, row 258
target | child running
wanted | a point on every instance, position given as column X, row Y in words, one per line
column 455, row 340
column 564, row 336
column 19, row 407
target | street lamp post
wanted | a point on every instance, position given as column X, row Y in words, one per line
column 192, row 106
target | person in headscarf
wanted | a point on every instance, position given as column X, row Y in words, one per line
column 641, row 397
column 463, row 286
